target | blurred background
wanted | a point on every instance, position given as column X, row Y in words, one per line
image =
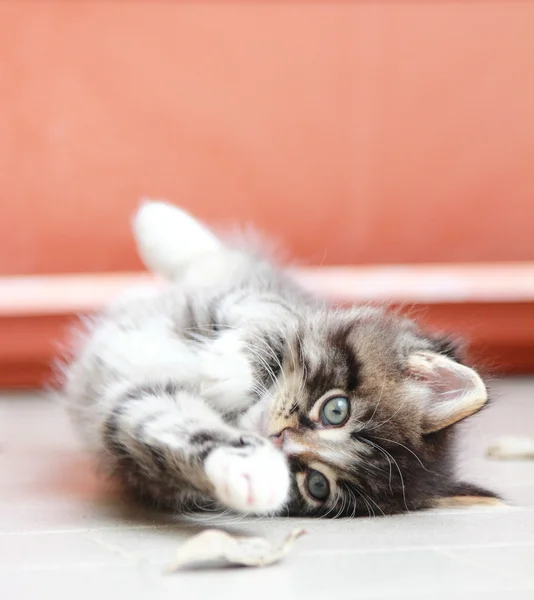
column 388, row 145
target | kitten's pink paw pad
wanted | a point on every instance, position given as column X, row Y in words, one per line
column 256, row 482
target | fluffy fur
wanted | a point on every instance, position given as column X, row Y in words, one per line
column 211, row 392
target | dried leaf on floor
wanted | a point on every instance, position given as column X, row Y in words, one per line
column 218, row 548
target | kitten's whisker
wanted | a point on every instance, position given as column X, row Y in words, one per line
column 380, row 449
column 355, row 507
column 398, row 469
column 401, row 479
column 350, row 493
column 391, row 417
column 406, row 448
column 334, row 504
column 369, row 468
column 263, row 362
column 369, row 508
column 342, row 506
column 272, row 353
column 376, row 406
column 370, row 499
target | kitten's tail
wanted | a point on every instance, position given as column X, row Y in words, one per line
column 169, row 239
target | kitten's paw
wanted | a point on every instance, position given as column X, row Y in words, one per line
column 251, row 479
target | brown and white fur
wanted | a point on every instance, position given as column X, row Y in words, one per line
column 211, row 392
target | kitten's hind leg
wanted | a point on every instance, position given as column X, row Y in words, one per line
column 171, row 448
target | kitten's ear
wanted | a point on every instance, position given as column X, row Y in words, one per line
column 466, row 495
column 456, row 391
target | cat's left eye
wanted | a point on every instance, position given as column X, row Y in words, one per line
column 335, row 411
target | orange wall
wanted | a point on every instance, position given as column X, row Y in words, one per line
column 354, row 131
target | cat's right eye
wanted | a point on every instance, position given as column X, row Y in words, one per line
column 317, row 485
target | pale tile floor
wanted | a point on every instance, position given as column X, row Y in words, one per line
column 64, row 534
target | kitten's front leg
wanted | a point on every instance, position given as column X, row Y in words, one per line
column 170, row 446
column 252, row 478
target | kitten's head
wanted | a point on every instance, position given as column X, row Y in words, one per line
column 364, row 406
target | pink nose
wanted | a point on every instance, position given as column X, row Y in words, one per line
column 278, row 438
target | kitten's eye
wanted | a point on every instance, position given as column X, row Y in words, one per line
column 335, row 411
column 317, row 485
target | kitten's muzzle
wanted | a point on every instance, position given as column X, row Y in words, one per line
column 288, row 441
column 278, row 438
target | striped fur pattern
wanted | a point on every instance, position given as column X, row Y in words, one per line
column 210, row 393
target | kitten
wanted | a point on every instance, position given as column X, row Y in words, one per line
column 233, row 388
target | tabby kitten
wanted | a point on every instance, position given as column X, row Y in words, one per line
column 233, row 388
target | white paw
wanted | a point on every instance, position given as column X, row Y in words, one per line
column 250, row 479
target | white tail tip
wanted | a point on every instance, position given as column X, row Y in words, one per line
column 168, row 238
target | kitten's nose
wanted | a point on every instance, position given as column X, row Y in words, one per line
column 278, row 438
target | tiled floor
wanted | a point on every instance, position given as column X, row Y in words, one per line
column 64, row 534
